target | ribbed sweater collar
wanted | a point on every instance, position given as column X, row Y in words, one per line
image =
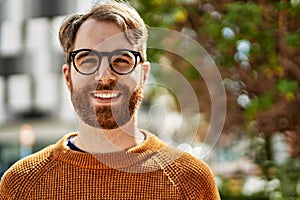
column 141, row 157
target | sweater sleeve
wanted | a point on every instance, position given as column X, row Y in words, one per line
column 191, row 176
column 3, row 190
column 9, row 185
column 20, row 178
column 197, row 179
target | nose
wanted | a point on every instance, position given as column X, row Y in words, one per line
column 104, row 73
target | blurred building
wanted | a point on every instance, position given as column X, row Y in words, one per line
column 32, row 90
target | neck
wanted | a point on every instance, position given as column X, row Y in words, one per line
column 97, row 140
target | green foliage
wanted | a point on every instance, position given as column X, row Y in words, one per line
column 191, row 73
column 257, row 23
column 293, row 39
column 246, row 21
column 289, row 174
column 161, row 13
column 257, row 104
column 285, row 86
column 213, row 30
column 295, row 8
column 247, row 16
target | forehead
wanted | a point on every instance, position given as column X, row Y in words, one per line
column 99, row 35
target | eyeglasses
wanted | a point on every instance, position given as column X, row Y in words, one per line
column 121, row 61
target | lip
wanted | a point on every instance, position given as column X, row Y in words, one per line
column 106, row 97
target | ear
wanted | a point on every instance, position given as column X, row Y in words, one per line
column 67, row 75
column 145, row 70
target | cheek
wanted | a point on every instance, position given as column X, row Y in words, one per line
column 80, row 81
column 135, row 77
column 131, row 80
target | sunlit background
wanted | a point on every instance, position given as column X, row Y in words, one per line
column 257, row 155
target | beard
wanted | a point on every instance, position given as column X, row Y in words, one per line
column 108, row 116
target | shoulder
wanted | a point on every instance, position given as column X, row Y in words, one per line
column 193, row 165
column 30, row 164
column 197, row 178
column 25, row 171
column 190, row 175
column 190, row 166
column 167, row 155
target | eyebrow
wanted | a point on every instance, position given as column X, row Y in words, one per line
column 83, row 54
column 124, row 54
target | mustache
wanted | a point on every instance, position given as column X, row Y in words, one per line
column 111, row 85
column 108, row 86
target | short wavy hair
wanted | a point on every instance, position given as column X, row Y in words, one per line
column 120, row 13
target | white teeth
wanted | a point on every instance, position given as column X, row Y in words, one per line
column 106, row 95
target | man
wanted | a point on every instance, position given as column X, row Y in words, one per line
column 108, row 157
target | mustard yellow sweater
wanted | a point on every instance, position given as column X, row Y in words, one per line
column 151, row 170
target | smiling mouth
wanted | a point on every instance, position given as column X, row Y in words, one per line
column 106, row 96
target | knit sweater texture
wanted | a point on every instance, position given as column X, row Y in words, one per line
column 152, row 170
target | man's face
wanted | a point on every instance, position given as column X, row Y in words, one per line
column 104, row 99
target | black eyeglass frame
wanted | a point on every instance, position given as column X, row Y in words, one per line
column 109, row 55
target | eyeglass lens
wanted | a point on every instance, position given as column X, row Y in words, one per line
column 87, row 62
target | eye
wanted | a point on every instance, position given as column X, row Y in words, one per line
column 121, row 60
column 88, row 60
